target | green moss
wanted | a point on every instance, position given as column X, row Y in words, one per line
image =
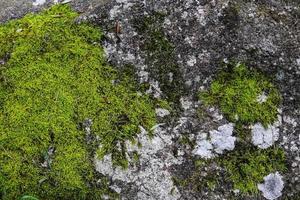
column 54, row 78
column 246, row 167
column 235, row 91
column 135, row 157
column 160, row 55
column 26, row 197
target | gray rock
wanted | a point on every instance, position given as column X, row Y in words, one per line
column 262, row 34
column 151, row 176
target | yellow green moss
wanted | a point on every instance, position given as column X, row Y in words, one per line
column 236, row 90
column 246, row 167
column 54, row 78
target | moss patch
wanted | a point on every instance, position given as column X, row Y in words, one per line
column 54, row 78
column 160, row 55
column 247, row 167
column 236, row 91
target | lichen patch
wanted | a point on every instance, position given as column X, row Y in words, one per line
column 272, row 186
column 219, row 141
column 264, row 137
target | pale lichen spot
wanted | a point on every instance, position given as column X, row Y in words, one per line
column 272, row 187
column 262, row 98
column 220, row 140
column 38, row 2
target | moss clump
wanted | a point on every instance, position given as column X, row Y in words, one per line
column 236, row 90
column 54, row 78
column 247, row 167
column 160, row 55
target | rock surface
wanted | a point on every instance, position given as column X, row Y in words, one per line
column 262, row 34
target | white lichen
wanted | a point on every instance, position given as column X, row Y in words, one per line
column 222, row 138
column 38, row 2
column 262, row 98
column 152, row 179
column 219, row 141
column 192, row 61
column 264, row 137
column 186, row 103
column 161, row 112
column 272, row 187
column 204, row 149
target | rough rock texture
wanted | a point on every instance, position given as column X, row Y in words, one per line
column 149, row 176
column 263, row 34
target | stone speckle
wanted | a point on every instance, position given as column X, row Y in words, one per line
column 162, row 112
column 262, row 98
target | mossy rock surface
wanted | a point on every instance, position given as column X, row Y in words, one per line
column 236, row 91
column 54, row 77
column 247, row 167
column 245, row 96
column 175, row 54
column 160, row 56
